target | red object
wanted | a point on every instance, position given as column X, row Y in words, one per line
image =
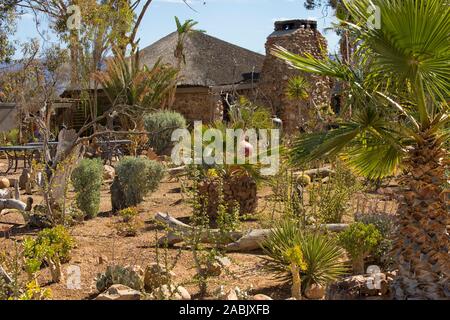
column 248, row 148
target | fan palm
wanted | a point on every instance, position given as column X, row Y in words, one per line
column 399, row 86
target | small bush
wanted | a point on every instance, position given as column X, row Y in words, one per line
column 359, row 240
column 11, row 137
column 131, row 222
column 321, row 263
column 161, row 125
column 137, row 177
column 329, row 200
column 87, row 180
column 385, row 223
column 51, row 247
column 128, row 214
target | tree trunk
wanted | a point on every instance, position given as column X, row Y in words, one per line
column 358, row 265
column 296, row 289
column 421, row 247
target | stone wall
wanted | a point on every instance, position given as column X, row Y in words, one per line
column 276, row 74
column 198, row 105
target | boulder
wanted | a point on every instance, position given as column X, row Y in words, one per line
column 157, row 275
column 119, row 292
column 171, row 292
column 4, row 183
column 108, row 172
column 315, row 291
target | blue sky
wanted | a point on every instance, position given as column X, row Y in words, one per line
column 246, row 23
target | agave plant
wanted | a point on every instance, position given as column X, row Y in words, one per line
column 399, row 88
column 136, row 89
column 321, row 254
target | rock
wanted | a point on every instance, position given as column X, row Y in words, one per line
column 24, row 178
column 224, row 261
column 355, row 287
column 171, row 292
column 184, row 293
column 261, row 297
column 108, row 172
column 119, row 292
column 231, row 295
column 214, row 269
column 315, row 291
column 4, row 183
column 157, row 275
column 291, row 298
column 5, row 194
column 102, row 260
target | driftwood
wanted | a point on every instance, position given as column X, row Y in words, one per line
column 5, row 276
column 176, row 171
column 239, row 241
column 178, row 231
column 252, row 240
column 12, row 204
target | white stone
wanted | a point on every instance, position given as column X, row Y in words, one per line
column 119, row 292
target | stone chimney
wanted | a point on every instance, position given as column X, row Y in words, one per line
column 299, row 37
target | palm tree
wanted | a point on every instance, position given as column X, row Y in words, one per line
column 399, row 87
column 183, row 30
column 298, row 89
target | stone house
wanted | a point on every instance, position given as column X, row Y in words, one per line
column 213, row 67
column 216, row 69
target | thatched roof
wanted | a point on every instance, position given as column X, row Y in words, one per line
column 209, row 60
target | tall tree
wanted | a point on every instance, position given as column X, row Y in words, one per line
column 184, row 30
column 7, row 27
column 401, row 79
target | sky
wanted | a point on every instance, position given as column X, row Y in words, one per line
column 246, row 23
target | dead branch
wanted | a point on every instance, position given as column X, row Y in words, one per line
column 239, row 241
column 179, row 231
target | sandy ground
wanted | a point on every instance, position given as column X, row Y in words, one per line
column 98, row 238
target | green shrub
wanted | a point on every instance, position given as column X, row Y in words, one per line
column 128, row 214
column 137, row 177
column 87, row 180
column 359, row 240
column 329, row 200
column 11, row 137
column 51, row 246
column 386, row 224
column 161, row 125
column 321, row 254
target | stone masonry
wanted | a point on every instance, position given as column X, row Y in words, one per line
column 299, row 37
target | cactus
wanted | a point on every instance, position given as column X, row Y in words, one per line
column 130, row 276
